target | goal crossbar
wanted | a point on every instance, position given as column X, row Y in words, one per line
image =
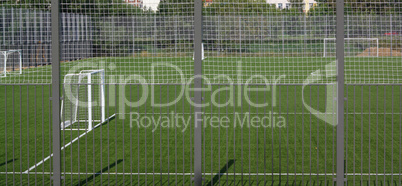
column 5, row 54
column 81, row 76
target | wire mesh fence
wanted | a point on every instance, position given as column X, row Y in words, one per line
column 200, row 92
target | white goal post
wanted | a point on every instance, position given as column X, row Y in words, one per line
column 352, row 46
column 202, row 52
column 83, row 101
column 10, row 67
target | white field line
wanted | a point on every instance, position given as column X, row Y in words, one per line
column 66, row 145
column 275, row 113
column 210, row 174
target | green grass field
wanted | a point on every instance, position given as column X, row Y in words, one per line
column 163, row 70
column 303, row 143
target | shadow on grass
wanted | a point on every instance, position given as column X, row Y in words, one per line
column 223, row 170
column 90, row 178
column 106, row 122
column 7, row 162
column 261, row 181
column 163, row 180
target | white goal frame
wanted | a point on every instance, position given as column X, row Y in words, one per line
column 90, row 120
column 202, row 52
column 5, row 53
column 334, row 39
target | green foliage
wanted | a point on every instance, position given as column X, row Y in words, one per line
column 369, row 6
column 297, row 4
column 217, row 7
column 240, row 7
column 176, row 7
column 101, row 8
column 358, row 7
column 27, row 4
column 94, row 8
column 326, row 7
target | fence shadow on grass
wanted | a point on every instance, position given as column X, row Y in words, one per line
column 224, row 169
column 268, row 181
column 91, row 177
column 7, row 162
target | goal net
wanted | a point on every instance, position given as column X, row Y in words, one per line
column 354, row 47
column 83, row 104
column 10, row 62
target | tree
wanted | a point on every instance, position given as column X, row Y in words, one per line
column 28, row 4
column 297, row 4
column 94, row 8
column 370, row 6
column 176, row 7
column 354, row 7
column 240, row 7
column 324, row 7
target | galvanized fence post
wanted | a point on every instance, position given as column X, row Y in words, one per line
column 56, row 91
column 197, row 93
column 3, row 12
column 390, row 21
column 340, row 40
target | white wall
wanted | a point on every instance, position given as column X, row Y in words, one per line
column 151, row 3
column 276, row 2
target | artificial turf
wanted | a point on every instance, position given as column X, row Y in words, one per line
column 303, row 144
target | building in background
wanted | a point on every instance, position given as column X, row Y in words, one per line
column 207, row 2
column 281, row 4
column 309, row 4
column 286, row 4
column 137, row 3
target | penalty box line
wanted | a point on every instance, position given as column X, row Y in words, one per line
column 69, row 143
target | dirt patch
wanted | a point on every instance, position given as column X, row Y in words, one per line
column 382, row 52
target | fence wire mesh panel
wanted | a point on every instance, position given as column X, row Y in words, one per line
column 25, row 42
column 125, row 119
column 373, row 92
column 25, row 86
column 205, row 92
column 272, row 116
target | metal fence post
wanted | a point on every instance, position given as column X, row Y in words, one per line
column 4, row 23
column 390, row 21
column 340, row 41
column 219, row 33
column 20, row 41
column 197, row 94
column 305, row 35
column 369, row 31
column 56, row 91
column 347, row 32
column 154, row 33
column 12, row 26
column 283, row 35
column 240, row 36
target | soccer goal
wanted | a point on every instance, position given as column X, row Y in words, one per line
column 10, row 62
column 360, row 47
column 83, row 104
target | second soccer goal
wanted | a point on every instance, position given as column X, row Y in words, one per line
column 10, row 62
